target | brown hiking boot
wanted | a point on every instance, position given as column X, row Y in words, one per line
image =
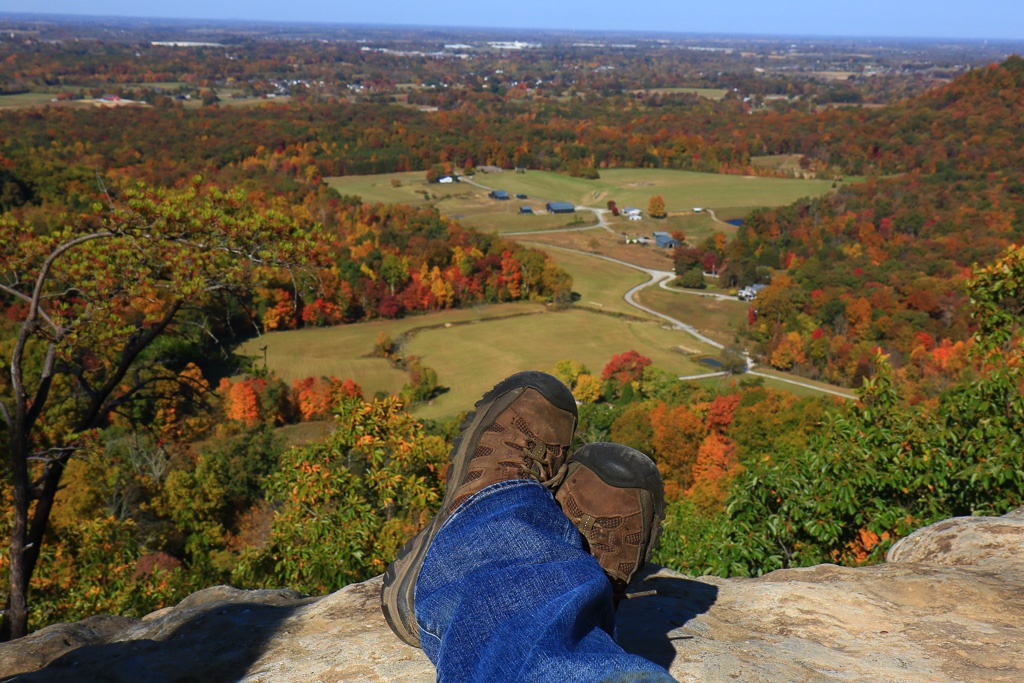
column 521, row 429
column 615, row 497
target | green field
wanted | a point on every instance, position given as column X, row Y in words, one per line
column 163, row 85
column 344, row 351
column 717, row 318
column 25, row 99
column 470, row 359
column 378, row 188
column 472, row 349
column 488, row 215
column 460, row 201
column 696, row 226
column 682, row 190
column 729, row 195
column 599, row 283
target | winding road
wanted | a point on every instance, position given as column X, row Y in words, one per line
column 662, row 278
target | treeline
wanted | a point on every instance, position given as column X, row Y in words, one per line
column 881, row 265
column 955, row 130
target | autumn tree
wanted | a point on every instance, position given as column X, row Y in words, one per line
column 343, row 507
column 92, row 298
column 625, row 367
column 656, row 207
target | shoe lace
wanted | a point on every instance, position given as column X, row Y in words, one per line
column 536, row 461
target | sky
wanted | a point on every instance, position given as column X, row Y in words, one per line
column 973, row 19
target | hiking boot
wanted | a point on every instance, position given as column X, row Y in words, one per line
column 521, row 429
column 615, row 497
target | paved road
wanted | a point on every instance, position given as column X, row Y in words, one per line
column 662, row 278
column 656, row 276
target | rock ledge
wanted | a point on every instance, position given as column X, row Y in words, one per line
column 947, row 606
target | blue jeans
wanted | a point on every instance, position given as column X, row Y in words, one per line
column 507, row 593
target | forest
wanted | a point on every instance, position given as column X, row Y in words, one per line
column 140, row 243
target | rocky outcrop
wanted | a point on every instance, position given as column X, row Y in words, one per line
column 947, row 606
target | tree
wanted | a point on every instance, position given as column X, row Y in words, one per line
column 613, row 208
column 94, row 297
column 625, row 367
column 656, row 207
column 395, row 271
column 876, row 472
column 343, row 507
column 693, row 279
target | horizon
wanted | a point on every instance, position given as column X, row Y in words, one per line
column 991, row 20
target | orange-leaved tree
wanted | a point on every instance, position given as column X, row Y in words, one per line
column 91, row 300
column 656, row 207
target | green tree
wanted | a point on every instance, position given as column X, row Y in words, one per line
column 344, row 507
column 395, row 271
column 884, row 468
column 94, row 298
column 693, row 279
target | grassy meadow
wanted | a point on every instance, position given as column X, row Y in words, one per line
column 472, row 349
column 729, row 195
column 600, row 284
column 716, row 318
column 25, row 99
column 346, row 351
column 682, row 190
column 604, row 243
column 470, row 359
column 379, row 188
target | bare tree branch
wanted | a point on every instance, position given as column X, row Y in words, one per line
column 43, row 390
column 7, row 416
column 27, row 299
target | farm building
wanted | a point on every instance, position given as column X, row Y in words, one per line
column 560, row 207
column 525, row 209
column 500, row 195
column 750, row 293
column 665, row 240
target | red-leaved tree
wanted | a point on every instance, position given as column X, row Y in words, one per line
column 626, row 367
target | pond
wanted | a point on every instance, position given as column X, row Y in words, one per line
column 710, row 361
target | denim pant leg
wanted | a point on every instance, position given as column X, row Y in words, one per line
column 506, row 593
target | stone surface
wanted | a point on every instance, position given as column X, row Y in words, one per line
column 947, row 606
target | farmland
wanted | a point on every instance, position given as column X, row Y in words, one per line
column 682, row 190
column 731, row 196
column 471, row 349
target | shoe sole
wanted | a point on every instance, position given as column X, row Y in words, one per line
column 397, row 599
column 625, row 468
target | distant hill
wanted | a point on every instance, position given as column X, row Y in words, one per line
column 882, row 263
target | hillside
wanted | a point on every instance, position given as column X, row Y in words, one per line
column 883, row 264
